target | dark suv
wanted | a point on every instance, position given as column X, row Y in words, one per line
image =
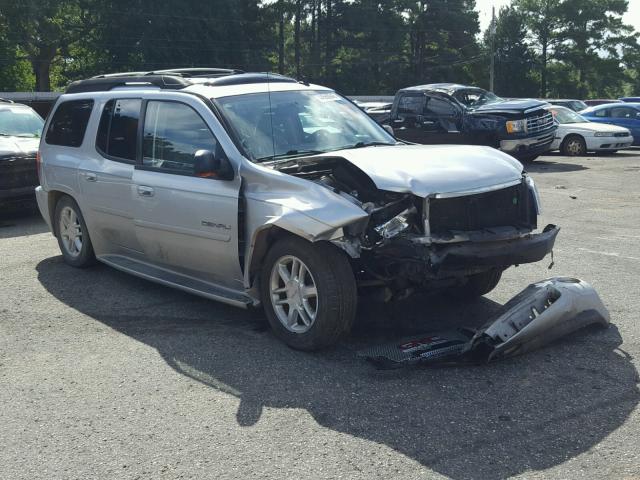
column 459, row 114
column 20, row 129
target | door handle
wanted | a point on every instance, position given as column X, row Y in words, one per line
column 91, row 177
column 145, row 191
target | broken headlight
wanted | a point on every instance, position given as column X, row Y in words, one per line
column 396, row 225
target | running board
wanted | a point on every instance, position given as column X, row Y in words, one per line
column 175, row 280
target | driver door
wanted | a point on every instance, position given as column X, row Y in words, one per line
column 184, row 223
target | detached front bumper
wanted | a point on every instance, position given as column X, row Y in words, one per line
column 527, row 249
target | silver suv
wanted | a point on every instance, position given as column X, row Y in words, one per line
column 258, row 189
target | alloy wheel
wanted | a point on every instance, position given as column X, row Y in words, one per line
column 70, row 231
column 294, row 294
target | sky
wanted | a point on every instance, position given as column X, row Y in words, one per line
column 484, row 7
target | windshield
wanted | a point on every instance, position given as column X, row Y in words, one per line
column 280, row 124
column 564, row 115
column 476, row 97
column 20, row 122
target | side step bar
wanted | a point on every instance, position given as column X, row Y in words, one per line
column 182, row 282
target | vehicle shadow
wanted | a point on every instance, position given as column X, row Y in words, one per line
column 549, row 166
column 490, row 422
column 21, row 220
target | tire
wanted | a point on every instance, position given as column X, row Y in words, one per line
column 528, row 158
column 478, row 285
column 76, row 249
column 334, row 304
column 573, row 146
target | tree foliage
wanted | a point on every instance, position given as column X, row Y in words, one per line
column 574, row 48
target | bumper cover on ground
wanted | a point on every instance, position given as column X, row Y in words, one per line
column 542, row 313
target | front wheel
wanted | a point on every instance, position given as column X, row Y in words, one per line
column 574, row 146
column 308, row 292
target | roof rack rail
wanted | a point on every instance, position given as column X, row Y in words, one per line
column 246, row 78
column 106, row 83
column 174, row 79
column 6, row 100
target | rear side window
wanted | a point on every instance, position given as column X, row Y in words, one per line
column 173, row 132
column 411, row 105
column 118, row 129
column 69, row 123
column 601, row 113
column 437, row 107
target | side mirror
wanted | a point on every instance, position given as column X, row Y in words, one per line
column 208, row 165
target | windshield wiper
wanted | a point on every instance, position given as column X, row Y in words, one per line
column 368, row 144
column 289, row 154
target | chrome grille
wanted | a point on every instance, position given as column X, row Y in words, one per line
column 539, row 123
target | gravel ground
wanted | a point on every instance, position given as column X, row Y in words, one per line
column 104, row 375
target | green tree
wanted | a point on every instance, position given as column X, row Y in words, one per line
column 514, row 59
column 47, row 30
column 542, row 18
column 591, row 36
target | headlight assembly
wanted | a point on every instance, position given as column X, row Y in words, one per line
column 515, row 126
column 603, row 134
column 396, row 225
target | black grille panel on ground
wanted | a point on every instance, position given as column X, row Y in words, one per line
column 505, row 207
column 16, row 172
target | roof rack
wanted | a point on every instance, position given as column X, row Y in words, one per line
column 174, row 79
column 6, row 100
column 246, row 78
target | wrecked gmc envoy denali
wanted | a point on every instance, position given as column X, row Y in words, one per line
column 258, row 189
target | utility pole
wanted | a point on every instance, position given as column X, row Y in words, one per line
column 492, row 33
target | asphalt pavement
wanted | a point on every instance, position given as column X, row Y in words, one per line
column 104, row 375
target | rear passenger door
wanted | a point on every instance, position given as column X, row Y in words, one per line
column 105, row 177
column 185, row 223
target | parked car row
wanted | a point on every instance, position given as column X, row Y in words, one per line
column 458, row 114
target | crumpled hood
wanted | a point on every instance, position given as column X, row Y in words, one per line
column 18, row 146
column 510, row 106
column 426, row 170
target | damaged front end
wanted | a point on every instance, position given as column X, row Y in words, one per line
column 542, row 313
column 410, row 242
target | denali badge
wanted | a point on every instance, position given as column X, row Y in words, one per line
column 205, row 223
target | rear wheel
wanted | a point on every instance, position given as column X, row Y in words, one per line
column 478, row 284
column 308, row 292
column 573, row 145
column 72, row 233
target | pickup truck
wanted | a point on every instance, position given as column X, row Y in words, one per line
column 458, row 114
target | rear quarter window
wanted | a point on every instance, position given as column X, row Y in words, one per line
column 69, row 123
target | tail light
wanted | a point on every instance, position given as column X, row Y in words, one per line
column 39, row 167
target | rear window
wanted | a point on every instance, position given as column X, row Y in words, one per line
column 118, row 129
column 69, row 123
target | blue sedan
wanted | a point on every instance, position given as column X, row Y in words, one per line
column 622, row 114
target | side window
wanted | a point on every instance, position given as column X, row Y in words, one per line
column 437, row 107
column 411, row 105
column 173, row 133
column 601, row 113
column 118, row 129
column 69, row 123
column 622, row 112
